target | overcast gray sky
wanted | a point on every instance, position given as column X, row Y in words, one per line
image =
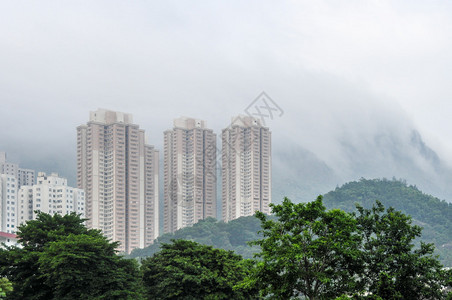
column 329, row 65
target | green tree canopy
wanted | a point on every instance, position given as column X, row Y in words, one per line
column 86, row 267
column 5, row 287
column 393, row 267
column 61, row 259
column 318, row 254
column 188, row 270
column 307, row 251
column 20, row 264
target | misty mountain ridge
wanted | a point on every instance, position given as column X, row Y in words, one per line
column 301, row 175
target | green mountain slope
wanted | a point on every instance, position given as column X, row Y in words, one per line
column 434, row 215
column 230, row 236
column 431, row 213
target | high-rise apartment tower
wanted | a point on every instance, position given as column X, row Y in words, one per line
column 246, row 168
column 189, row 174
column 119, row 173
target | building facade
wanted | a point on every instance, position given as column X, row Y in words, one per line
column 23, row 176
column 189, row 174
column 119, row 173
column 50, row 195
column 8, row 203
column 8, row 239
column 246, row 168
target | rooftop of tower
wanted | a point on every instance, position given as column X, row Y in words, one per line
column 245, row 121
column 109, row 117
column 189, row 123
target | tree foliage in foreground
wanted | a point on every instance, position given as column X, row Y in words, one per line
column 307, row 251
column 5, row 287
column 188, row 270
column 61, row 259
column 318, row 254
column 394, row 268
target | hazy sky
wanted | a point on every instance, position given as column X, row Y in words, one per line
column 329, row 65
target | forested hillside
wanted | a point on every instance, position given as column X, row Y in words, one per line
column 431, row 213
column 229, row 236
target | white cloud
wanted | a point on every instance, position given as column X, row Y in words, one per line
column 330, row 64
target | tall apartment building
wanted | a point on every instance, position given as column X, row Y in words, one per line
column 51, row 195
column 246, row 168
column 8, row 203
column 23, row 176
column 189, row 174
column 119, row 173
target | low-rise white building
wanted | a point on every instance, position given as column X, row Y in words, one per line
column 51, row 195
column 9, row 239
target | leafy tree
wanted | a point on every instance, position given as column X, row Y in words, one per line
column 5, row 287
column 317, row 254
column 61, row 259
column 307, row 251
column 20, row 265
column 394, row 268
column 188, row 270
column 86, row 267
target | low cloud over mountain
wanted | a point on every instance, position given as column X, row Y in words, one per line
column 300, row 174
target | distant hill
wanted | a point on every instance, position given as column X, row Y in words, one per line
column 431, row 213
column 233, row 235
column 434, row 215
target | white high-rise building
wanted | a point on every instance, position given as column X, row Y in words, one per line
column 119, row 172
column 23, row 176
column 8, row 203
column 50, row 195
column 189, row 174
column 246, row 168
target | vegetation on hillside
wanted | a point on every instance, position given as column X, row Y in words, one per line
column 233, row 235
column 432, row 214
